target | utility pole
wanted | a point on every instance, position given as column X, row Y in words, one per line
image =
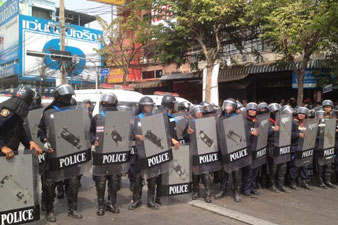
column 62, row 21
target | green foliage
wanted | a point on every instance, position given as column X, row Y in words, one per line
column 203, row 23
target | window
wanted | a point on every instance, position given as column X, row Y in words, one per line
column 148, row 74
column 159, row 73
column 41, row 13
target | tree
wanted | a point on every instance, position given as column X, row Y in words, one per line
column 125, row 40
column 296, row 29
column 207, row 24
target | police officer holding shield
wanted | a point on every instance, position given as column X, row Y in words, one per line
column 297, row 133
column 275, row 170
column 197, row 113
column 169, row 105
column 229, row 110
column 250, row 174
column 146, row 106
column 108, row 102
column 62, row 99
column 324, row 169
column 12, row 114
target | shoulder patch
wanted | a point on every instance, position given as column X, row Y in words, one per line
column 5, row 112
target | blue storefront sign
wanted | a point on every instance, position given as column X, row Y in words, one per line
column 310, row 81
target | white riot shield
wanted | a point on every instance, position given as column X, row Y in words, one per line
column 234, row 141
column 259, row 153
column 326, row 141
column 282, row 139
column 306, row 145
column 204, row 146
column 157, row 152
column 68, row 133
column 19, row 201
column 112, row 133
column 176, row 184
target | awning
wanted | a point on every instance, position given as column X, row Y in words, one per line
column 181, row 76
column 268, row 68
column 147, row 84
column 233, row 73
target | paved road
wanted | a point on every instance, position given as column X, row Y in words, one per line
column 177, row 214
column 298, row 207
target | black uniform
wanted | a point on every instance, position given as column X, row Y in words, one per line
column 224, row 177
column 276, row 171
column 323, row 171
column 249, row 175
column 295, row 171
column 100, row 181
column 12, row 130
column 72, row 192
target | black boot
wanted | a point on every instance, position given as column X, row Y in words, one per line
column 272, row 176
column 114, row 186
column 158, row 189
column 100, row 191
column 223, row 190
column 321, row 182
column 207, row 187
column 72, row 198
column 151, row 193
column 283, row 189
column 137, row 191
column 237, row 194
column 305, row 185
column 330, row 185
column 293, row 185
column 223, row 185
column 237, row 185
column 195, row 184
column 50, row 196
column 60, row 190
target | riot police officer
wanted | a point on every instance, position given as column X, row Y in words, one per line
column 297, row 125
column 250, row 174
column 169, row 105
column 229, row 109
column 262, row 108
column 184, row 107
column 275, row 170
column 12, row 114
column 62, row 99
column 108, row 102
column 197, row 113
column 324, row 169
column 146, row 106
column 36, row 104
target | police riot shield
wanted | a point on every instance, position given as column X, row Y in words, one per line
column 326, row 141
column 18, row 189
column 34, row 117
column 204, row 146
column 282, row 139
column 176, row 184
column 260, row 142
column 69, row 135
column 181, row 124
column 157, row 153
column 112, row 133
column 304, row 153
column 234, row 142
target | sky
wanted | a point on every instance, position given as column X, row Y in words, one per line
column 89, row 7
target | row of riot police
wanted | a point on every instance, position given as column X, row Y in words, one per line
column 261, row 142
column 234, row 144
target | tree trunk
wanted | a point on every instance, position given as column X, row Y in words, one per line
column 300, row 92
column 125, row 75
column 208, row 82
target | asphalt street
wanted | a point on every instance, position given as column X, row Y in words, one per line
column 318, row 207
